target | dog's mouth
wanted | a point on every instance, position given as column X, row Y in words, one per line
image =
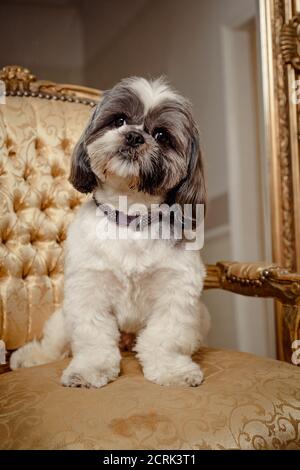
column 129, row 154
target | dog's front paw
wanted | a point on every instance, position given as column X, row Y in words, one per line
column 194, row 377
column 83, row 379
column 190, row 375
column 29, row 355
column 74, row 376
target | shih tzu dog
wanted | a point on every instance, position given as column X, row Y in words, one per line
column 141, row 143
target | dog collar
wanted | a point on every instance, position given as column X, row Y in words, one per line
column 137, row 222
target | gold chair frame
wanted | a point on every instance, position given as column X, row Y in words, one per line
column 280, row 34
column 280, row 41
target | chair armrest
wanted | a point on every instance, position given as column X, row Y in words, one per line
column 255, row 279
column 5, row 367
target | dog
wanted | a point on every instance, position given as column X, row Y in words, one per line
column 141, row 143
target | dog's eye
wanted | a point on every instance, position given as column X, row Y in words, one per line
column 120, row 121
column 161, row 136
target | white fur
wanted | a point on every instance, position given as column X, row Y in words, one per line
column 148, row 287
column 107, row 146
column 152, row 92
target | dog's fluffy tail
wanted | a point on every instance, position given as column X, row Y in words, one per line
column 53, row 346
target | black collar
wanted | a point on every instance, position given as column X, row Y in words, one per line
column 137, row 222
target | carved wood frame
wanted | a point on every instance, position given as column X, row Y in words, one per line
column 280, row 41
column 19, row 81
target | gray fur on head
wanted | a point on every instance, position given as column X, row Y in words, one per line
column 166, row 161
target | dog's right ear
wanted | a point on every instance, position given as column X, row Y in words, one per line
column 82, row 177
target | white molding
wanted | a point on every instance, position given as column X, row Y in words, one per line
column 245, row 178
column 264, row 122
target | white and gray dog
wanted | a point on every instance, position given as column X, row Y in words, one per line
column 141, row 142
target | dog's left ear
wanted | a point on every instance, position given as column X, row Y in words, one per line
column 191, row 189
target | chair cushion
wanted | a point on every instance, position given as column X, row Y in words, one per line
column 245, row 402
column 36, row 205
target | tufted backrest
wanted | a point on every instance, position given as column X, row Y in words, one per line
column 37, row 133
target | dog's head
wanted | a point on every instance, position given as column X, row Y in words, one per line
column 144, row 132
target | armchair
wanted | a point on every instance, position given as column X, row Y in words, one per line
column 246, row 402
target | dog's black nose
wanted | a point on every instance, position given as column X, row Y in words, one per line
column 134, row 139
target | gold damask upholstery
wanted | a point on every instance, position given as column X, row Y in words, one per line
column 37, row 203
column 245, row 402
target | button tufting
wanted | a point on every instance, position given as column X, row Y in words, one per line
column 46, row 203
column 16, row 205
column 33, row 236
column 74, row 203
column 39, row 144
column 27, row 172
column 9, row 143
column 57, row 171
column 61, row 237
column 66, row 145
column 35, row 214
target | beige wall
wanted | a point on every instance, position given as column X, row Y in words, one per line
column 185, row 41
column 97, row 42
column 221, row 304
column 175, row 38
column 180, row 39
column 103, row 21
column 45, row 37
